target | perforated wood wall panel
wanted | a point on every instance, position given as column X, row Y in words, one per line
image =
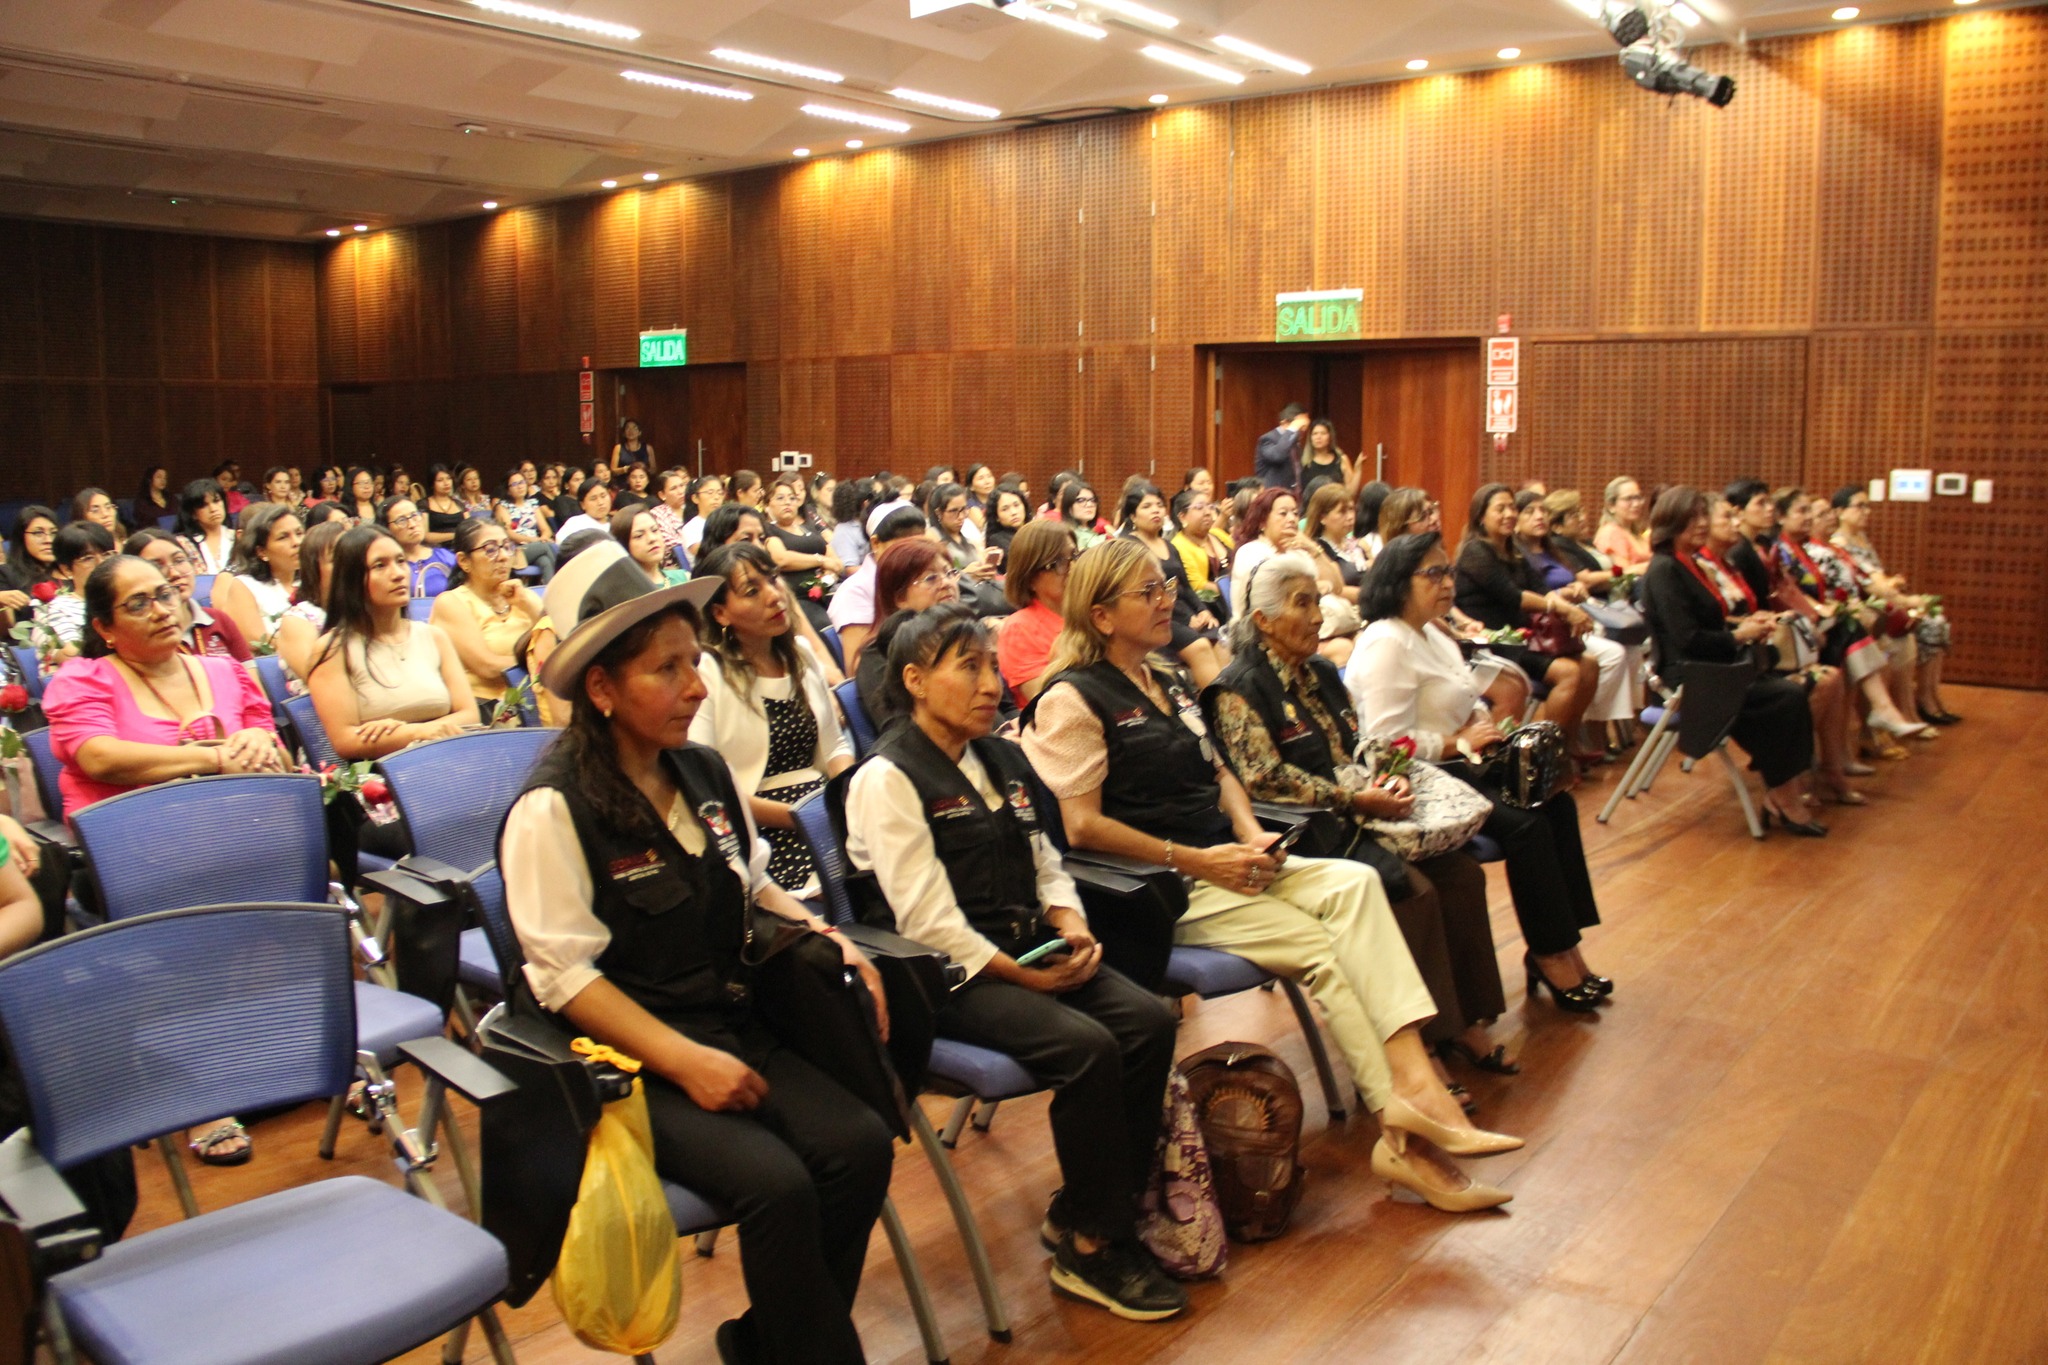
column 1359, row 218
column 1994, row 202
column 1538, row 235
column 1757, row 232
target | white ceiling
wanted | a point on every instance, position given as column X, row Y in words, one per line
column 284, row 118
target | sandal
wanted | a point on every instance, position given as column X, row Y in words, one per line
column 1495, row 1061
column 208, row 1147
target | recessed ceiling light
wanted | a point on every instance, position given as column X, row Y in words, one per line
column 334, row 232
column 601, row 27
column 490, row 203
column 887, row 125
column 1262, row 54
column 1187, row 61
column 1144, row 14
column 946, row 102
column 1159, row 99
column 854, row 144
column 724, row 92
column 1966, row 2
column 362, row 227
column 801, row 151
column 1508, row 54
column 1418, row 64
column 815, row 73
column 1686, row 14
column 609, row 184
column 1059, row 21
column 650, row 175
column 1845, row 12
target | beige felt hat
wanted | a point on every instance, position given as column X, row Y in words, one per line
column 563, row 675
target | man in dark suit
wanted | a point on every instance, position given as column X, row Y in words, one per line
column 1278, row 460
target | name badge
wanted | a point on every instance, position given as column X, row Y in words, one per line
column 1019, row 797
column 636, row 867
column 950, row 808
column 1131, row 719
column 712, row 813
column 1291, row 733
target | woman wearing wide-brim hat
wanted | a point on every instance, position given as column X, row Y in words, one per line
column 628, row 863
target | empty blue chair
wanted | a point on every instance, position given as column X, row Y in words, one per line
column 857, row 721
column 419, row 608
column 830, row 635
column 167, row 523
column 202, row 588
column 137, row 1029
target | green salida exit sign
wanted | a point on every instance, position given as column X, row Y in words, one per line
column 670, row 346
column 1318, row 315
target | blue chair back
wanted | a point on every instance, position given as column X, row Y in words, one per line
column 270, row 672
column 419, row 608
column 830, row 635
column 43, row 758
column 131, row 1030
column 814, row 822
column 454, row 792
column 31, row 670
column 202, row 588
column 529, row 712
column 206, row 841
column 319, row 750
column 167, row 523
column 497, row 922
column 856, row 717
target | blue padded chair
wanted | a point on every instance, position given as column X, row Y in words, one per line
column 31, row 670
column 167, row 523
column 138, row 1029
column 313, row 741
column 202, row 588
column 42, row 759
column 833, row 646
column 419, row 608
column 967, row 1072
column 529, row 711
column 276, row 682
column 856, row 717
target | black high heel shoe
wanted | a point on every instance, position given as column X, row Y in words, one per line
column 1601, row 984
column 1805, row 829
column 1579, row 999
column 1495, row 1061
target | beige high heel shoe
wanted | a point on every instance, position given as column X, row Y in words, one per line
column 1457, row 1141
column 1408, row 1184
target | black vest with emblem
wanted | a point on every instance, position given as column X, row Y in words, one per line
column 1295, row 734
column 986, row 853
column 1161, row 779
column 677, row 921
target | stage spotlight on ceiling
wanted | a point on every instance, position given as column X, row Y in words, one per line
column 1669, row 74
column 1629, row 24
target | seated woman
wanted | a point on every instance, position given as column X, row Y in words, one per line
column 1624, row 534
column 1689, row 623
column 485, row 610
column 801, row 1163
column 298, row 633
column 1204, row 550
column 849, row 540
column 96, row 505
column 1008, row 514
column 801, row 555
column 633, row 489
column 1496, row 587
column 202, row 632
column 671, row 512
column 1077, row 507
column 1408, row 680
column 707, row 495
column 1930, row 628
column 427, row 567
column 31, row 562
column 985, row 889
column 1040, row 554
column 257, row 589
column 443, row 509
column 852, row 612
column 1121, row 745
column 203, row 522
column 1195, row 627
column 594, row 504
column 1286, row 725
column 961, row 536
column 1331, row 518
column 910, row 576
column 79, row 548
column 636, row 529
column 1613, row 700
column 524, row 518
column 768, row 710
column 1269, row 526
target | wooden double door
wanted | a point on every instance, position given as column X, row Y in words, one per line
column 693, row 415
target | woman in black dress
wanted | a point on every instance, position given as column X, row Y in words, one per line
column 1196, row 630
column 801, row 555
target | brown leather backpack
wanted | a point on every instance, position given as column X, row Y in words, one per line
column 1250, row 1111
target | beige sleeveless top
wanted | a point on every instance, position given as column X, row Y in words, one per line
column 401, row 679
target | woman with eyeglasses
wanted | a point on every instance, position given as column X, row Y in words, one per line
column 31, row 560
column 202, row 631
column 910, row 576
column 1079, row 509
column 1040, row 555
column 1196, row 630
column 485, row 609
column 428, row 567
column 79, row 548
column 527, row 521
column 1624, row 534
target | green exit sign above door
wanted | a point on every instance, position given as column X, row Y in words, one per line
column 1318, row 315
column 668, row 347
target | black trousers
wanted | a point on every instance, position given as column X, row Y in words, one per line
column 806, row 1173
column 1547, row 874
column 1104, row 1050
column 1776, row 729
column 1444, row 921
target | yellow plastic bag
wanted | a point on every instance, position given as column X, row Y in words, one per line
column 618, row 1283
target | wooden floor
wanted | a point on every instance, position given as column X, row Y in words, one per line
column 1812, row 1128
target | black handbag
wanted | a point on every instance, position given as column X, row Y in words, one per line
column 1525, row 769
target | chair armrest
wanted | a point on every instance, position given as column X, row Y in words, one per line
column 1095, row 859
column 400, row 881
column 55, row 833
column 458, row 1068
column 432, row 870
column 57, row 1226
column 886, row 943
column 1279, row 818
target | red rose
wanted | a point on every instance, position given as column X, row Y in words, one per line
column 44, row 592
column 1404, row 745
column 13, row 697
column 373, row 789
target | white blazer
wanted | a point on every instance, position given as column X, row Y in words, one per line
column 738, row 728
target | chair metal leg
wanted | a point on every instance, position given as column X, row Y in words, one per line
column 336, row 1107
column 963, row 1218
column 1756, row 829
column 465, row 1164
column 1651, row 742
column 1318, row 1053
column 56, row 1334
column 707, row 1242
column 962, row 1107
column 913, row 1284
column 455, row 1344
column 1664, row 748
column 174, row 1161
column 494, row 1333
column 985, row 1114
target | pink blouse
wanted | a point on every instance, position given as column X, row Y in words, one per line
column 89, row 698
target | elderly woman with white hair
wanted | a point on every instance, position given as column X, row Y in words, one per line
column 1285, row 724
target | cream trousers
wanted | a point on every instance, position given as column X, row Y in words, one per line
column 1325, row 923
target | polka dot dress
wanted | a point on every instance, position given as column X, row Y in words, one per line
column 792, row 747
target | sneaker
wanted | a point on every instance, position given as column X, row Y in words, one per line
column 1120, row 1277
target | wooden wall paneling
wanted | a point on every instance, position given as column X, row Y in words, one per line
column 661, row 259
column 757, row 274
column 709, row 290
column 1423, row 404
column 245, row 432
column 576, row 280
column 764, row 412
column 1115, row 232
column 242, row 297
column 804, row 238
column 21, row 418
column 1191, row 229
column 71, row 423
column 615, row 252
column 498, row 296
column 541, row 341
column 192, row 424
column 67, row 287
column 861, row 414
column 1988, row 561
column 404, row 271
column 137, row 438
column 1452, row 199
column 1994, row 188
column 1048, row 204
column 1647, row 243
column 986, row 395
column 1357, row 195
column 1867, row 411
column 295, row 424
column 1252, row 388
column 1115, row 436
column 432, row 317
column 21, row 336
column 184, row 298
column 1880, row 175
column 718, row 416
column 862, row 230
column 1758, row 228
column 1272, row 232
column 809, row 420
column 1176, row 411
column 126, row 316
column 925, row 289
column 1545, row 271
column 923, row 425
column 337, row 313
column 379, row 263
column 980, row 266
column 1046, row 418
column 293, row 273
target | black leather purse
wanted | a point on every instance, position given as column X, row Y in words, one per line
column 1525, row 769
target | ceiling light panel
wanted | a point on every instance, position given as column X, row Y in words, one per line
column 541, row 15
column 724, row 92
column 1260, row 54
column 1686, row 14
column 1051, row 20
column 809, row 73
column 1188, row 61
column 966, row 107
column 1144, row 14
column 887, row 125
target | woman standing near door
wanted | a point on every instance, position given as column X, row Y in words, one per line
column 632, row 448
